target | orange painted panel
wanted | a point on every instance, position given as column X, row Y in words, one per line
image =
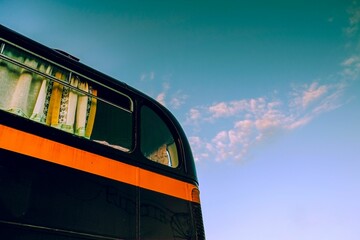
column 31, row 145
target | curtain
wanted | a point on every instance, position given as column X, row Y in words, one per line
column 71, row 110
column 9, row 74
column 32, row 96
column 19, row 89
column 7, row 85
column 42, row 101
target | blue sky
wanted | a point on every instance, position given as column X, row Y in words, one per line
column 267, row 92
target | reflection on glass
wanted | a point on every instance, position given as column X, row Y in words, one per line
column 69, row 104
column 157, row 142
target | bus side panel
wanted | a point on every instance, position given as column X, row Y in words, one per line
column 164, row 217
column 41, row 200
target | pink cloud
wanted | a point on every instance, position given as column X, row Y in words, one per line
column 257, row 120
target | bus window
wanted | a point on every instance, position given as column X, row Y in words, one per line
column 21, row 88
column 67, row 169
column 157, row 143
column 46, row 93
column 113, row 126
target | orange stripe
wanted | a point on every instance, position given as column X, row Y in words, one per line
column 31, row 145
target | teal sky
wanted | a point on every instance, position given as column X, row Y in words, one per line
column 267, row 92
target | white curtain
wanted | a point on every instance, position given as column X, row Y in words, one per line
column 24, row 92
column 81, row 112
column 7, row 85
column 9, row 73
column 35, row 97
column 39, row 112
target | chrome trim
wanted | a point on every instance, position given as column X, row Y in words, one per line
column 2, row 47
column 6, row 58
column 65, row 68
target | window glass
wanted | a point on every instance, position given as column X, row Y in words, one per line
column 64, row 100
column 113, row 127
column 157, row 142
column 21, row 90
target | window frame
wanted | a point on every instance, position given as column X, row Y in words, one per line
column 163, row 115
column 136, row 98
column 6, row 45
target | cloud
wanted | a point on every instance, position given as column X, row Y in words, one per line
column 158, row 86
column 258, row 119
column 178, row 99
column 194, row 114
column 306, row 95
column 313, row 93
column 299, row 122
column 161, row 98
column 224, row 109
column 147, row 76
column 350, row 61
column 197, row 145
column 354, row 21
column 351, row 67
column 232, row 129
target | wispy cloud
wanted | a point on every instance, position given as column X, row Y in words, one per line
column 170, row 99
column 319, row 98
column 161, row 97
column 147, row 76
column 313, row 93
column 178, row 99
column 354, row 20
column 227, row 109
column 351, row 67
column 257, row 120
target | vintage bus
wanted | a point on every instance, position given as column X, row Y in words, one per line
column 84, row 156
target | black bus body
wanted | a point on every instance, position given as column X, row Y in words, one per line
column 85, row 156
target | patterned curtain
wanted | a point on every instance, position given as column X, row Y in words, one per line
column 71, row 110
column 32, row 96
